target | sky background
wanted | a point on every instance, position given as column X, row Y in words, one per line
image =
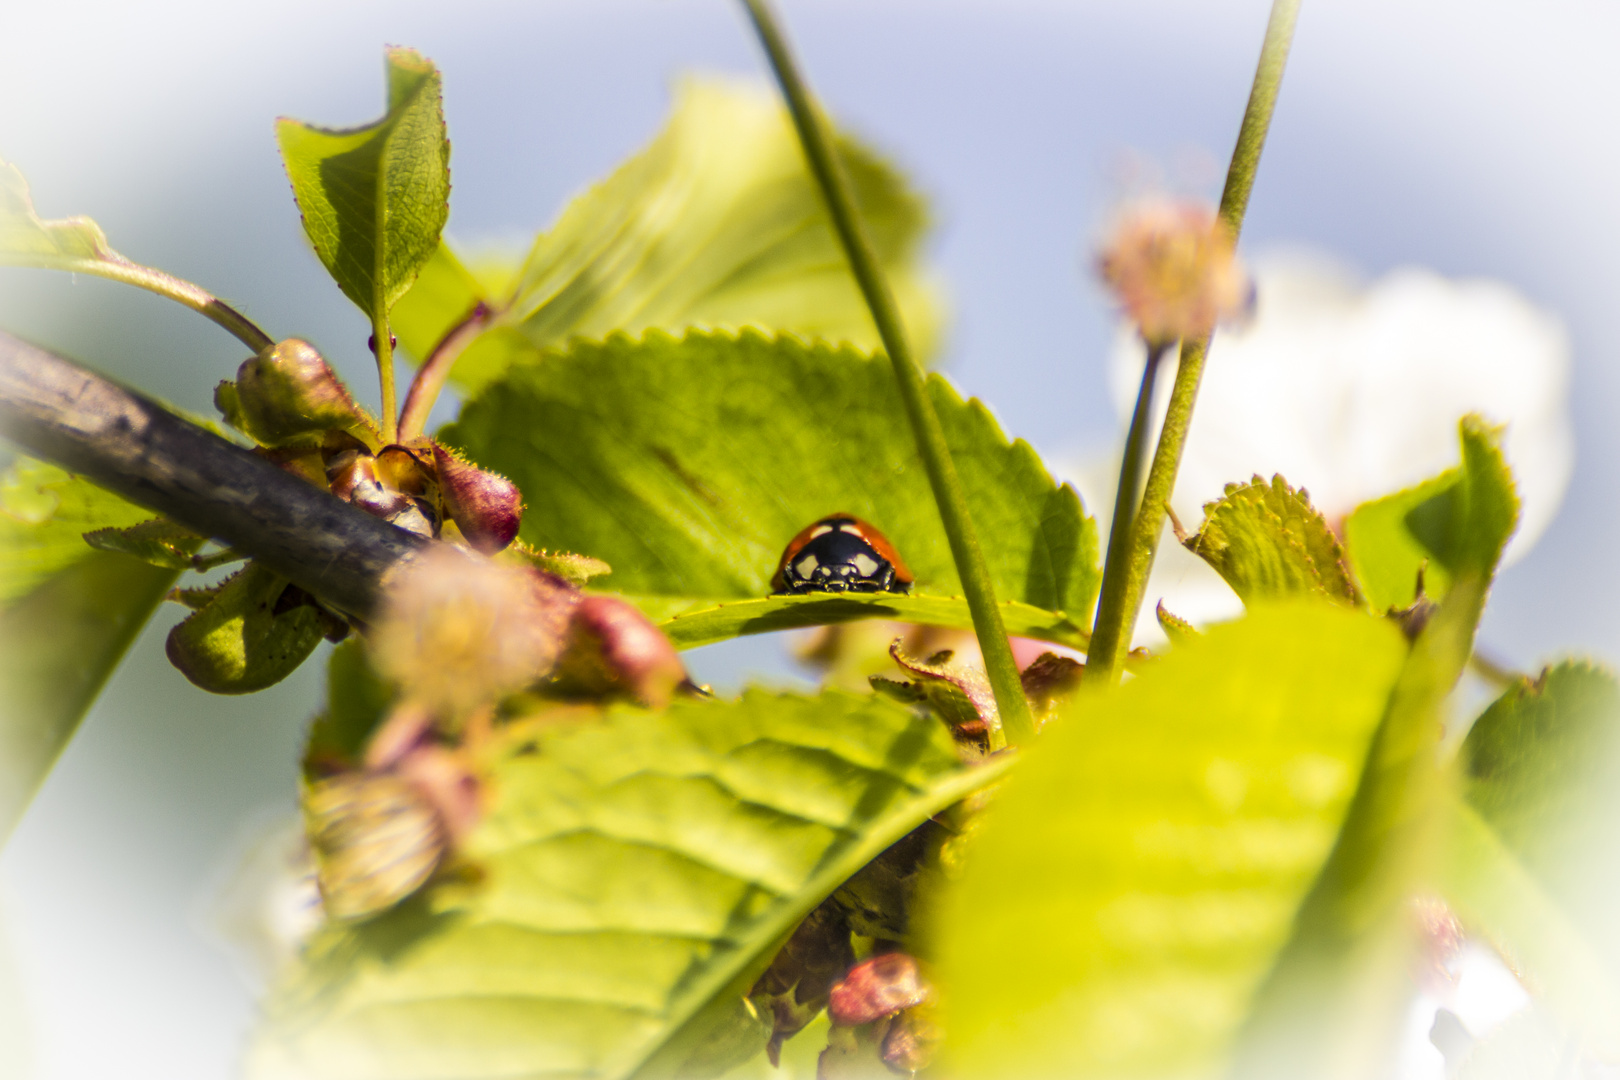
column 1470, row 137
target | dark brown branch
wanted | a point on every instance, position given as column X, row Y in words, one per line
column 56, row 410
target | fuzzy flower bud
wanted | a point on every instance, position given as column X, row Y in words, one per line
column 876, row 988
column 458, row 631
column 486, row 508
column 1173, row 268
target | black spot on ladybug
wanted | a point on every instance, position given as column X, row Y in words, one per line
column 840, row 553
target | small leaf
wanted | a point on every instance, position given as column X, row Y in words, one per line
column 1268, row 542
column 1144, row 864
column 159, row 541
column 246, row 638
column 25, row 239
column 574, row 569
column 636, row 872
column 1177, row 629
column 1459, row 519
column 717, row 222
column 688, row 463
column 374, row 199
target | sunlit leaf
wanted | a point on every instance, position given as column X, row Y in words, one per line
column 1460, row 518
column 1141, row 870
column 717, row 222
column 66, row 244
column 688, row 463
column 635, row 872
column 374, row 198
column 1268, row 542
column 67, row 614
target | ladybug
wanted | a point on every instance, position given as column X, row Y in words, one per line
column 840, row 553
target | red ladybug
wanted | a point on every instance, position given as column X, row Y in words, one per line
column 840, row 553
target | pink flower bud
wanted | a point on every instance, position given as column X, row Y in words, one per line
column 1173, row 268
column 486, row 508
column 876, row 988
column 614, row 648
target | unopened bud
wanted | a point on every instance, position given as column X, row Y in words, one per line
column 458, row 631
column 876, row 988
column 614, row 648
column 1174, row 269
column 376, row 839
column 486, row 508
column 288, row 390
column 912, row 1039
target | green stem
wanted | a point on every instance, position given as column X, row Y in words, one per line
column 1121, row 598
column 977, row 586
column 382, row 343
column 1131, row 468
column 200, row 300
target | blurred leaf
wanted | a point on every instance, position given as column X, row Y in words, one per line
column 688, row 463
column 1268, row 541
column 717, row 222
column 635, row 873
column 67, row 614
column 158, row 541
column 1139, row 873
column 1335, row 1002
column 74, row 243
column 357, row 699
column 1542, row 768
column 374, row 199
column 1460, row 518
column 707, row 625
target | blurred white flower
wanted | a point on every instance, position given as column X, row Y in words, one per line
column 1354, row 391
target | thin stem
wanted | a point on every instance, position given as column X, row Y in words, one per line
column 1117, row 611
column 977, row 586
column 117, row 268
column 1131, row 468
column 382, row 343
column 431, row 376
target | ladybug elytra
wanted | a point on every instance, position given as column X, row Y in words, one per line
column 840, row 553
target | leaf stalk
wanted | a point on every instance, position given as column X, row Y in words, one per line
column 828, row 169
column 1126, row 573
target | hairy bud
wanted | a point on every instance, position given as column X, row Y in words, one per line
column 614, row 648
column 458, row 631
column 486, row 508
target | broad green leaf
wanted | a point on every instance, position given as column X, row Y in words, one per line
column 1460, row 518
column 717, row 222
column 688, row 463
column 1542, row 784
column 1141, row 870
column 634, row 874
column 374, row 199
column 67, row 614
column 1332, row 1006
column 1268, row 542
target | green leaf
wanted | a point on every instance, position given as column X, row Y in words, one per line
column 635, row 873
column 717, row 222
column 374, row 199
column 67, row 614
column 75, row 243
column 357, row 699
column 1268, row 541
column 248, row 636
column 722, row 622
column 159, row 541
column 1140, row 872
column 1459, row 519
column 1542, row 768
column 687, row 464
